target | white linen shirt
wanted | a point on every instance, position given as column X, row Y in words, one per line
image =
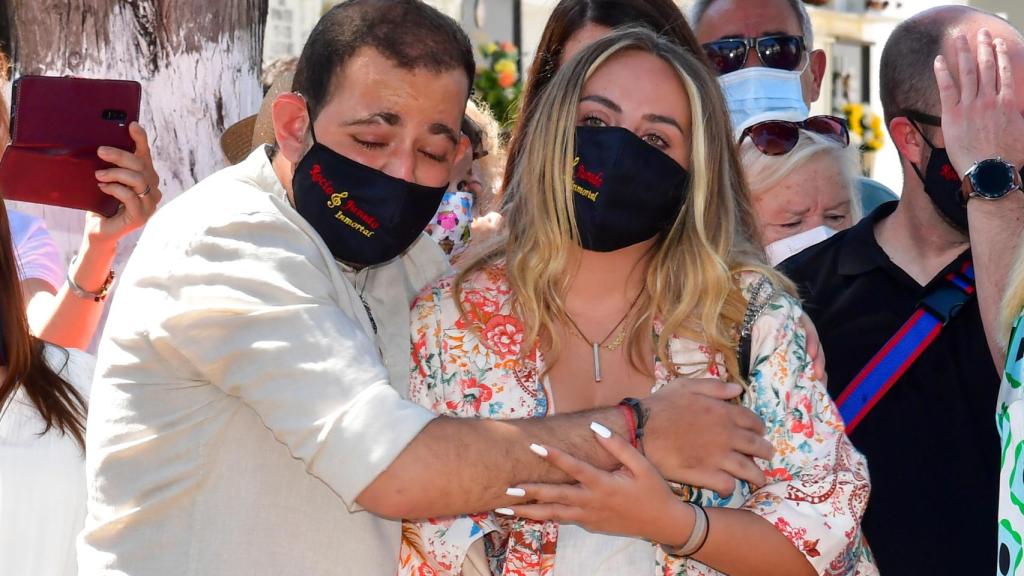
column 241, row 404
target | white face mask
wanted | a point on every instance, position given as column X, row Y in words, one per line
column 754, row 91
column 780, row 250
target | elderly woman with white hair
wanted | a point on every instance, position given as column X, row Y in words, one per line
column 802, row 179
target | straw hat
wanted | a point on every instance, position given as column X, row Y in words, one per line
column 241, row 137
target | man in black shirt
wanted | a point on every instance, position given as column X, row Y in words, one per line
column 931, row 441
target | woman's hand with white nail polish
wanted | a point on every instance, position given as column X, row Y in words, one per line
column 630, row 501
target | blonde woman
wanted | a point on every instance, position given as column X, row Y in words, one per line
column 802, row 179
column 624, row 266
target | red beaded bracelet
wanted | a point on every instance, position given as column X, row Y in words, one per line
column 630, row 423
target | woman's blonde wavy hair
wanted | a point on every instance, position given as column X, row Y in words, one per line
column 692, row 283
column 1013, row 300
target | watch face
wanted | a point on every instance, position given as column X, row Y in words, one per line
column 993, row 178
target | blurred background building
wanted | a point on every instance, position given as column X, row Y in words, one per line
column 852, row 33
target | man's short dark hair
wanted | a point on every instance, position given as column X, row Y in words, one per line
column 410, row 33
column 907, row 80
column 907, row 77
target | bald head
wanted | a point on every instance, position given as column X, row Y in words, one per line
column 907, row 80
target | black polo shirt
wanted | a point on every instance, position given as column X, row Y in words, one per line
column 931, row 442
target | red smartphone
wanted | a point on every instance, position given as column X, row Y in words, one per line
column 57, row 123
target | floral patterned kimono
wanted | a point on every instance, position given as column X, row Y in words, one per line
column 1010, row 421
column 473, row 366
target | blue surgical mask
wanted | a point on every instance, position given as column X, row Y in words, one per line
column 754, row 91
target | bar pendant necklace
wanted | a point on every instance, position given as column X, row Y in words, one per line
column 596, row 346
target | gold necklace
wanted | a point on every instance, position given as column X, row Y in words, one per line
column 597, row 345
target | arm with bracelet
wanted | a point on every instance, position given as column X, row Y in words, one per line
column 68, row 315
column 803, row 520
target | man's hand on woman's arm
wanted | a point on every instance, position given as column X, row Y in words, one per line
column 457, row 466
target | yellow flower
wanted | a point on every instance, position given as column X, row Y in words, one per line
column 489, row 48
column 505, row 65
column 855, row 116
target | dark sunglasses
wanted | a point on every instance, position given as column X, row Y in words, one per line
column 781, row 52
column 778, row 137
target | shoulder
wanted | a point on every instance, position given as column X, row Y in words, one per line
column 221, row 197
column 768, row 303
column 229, row 218
column 485, row 288
column 424, row 262
column 25, row 226
column 73, row 366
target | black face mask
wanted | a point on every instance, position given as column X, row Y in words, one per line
column 943, row 185
column 625, row 190
column 363, row 215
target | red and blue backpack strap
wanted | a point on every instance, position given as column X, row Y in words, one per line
column 938, row 307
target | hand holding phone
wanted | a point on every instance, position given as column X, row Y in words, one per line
column 133, row 182
column 57, row 126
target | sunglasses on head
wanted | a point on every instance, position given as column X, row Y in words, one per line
column 778, row 137
column 781, row 52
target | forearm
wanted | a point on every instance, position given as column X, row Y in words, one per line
column 463, row 466
column 997, row 228
column 764, row 549
column 71, row 320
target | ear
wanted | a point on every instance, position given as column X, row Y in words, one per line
column 817, row 66
column 464, row 147
column 908, row 140
column 291, row 125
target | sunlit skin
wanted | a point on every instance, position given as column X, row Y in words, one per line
column 816, row 194
column 404, row 123
column 748, row 19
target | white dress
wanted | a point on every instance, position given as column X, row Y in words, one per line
column 42, row 481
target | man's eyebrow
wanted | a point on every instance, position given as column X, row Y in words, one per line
column 664, row 120
column 603, row 101
column 389, row 118
column 446, row 131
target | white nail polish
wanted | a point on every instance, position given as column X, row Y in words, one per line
column 504, row 511
column 600, row 430
column 515, row 492
column 539, row 450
